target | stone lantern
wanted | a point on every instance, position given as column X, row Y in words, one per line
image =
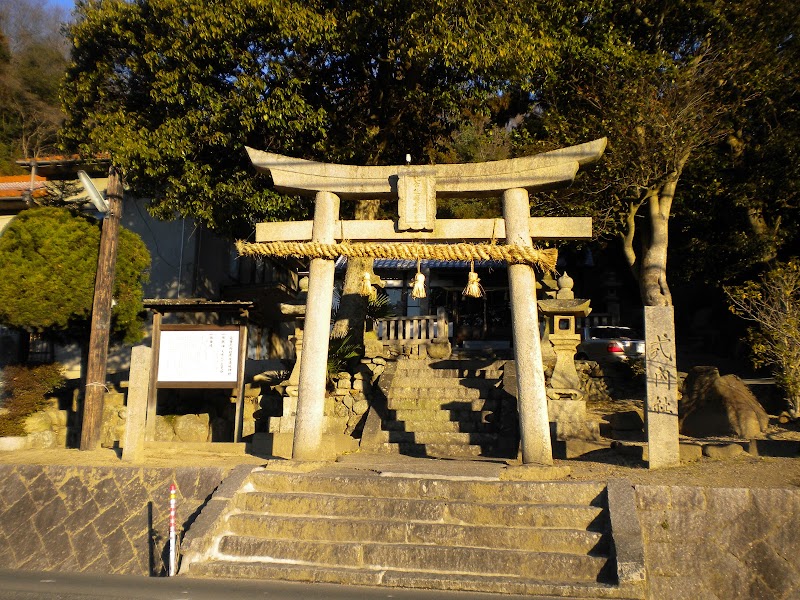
column 566, row 403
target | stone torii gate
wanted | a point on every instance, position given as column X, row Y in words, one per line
column 416, row 189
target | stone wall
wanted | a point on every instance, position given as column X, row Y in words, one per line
column 346, row 401
column 709, row 543
column 718, row 543
column 604, row 383
column 96, row 519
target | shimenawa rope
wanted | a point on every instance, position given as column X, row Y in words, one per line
column 544, row 258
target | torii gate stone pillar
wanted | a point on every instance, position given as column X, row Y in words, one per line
column 416, row 189
column 311, row 389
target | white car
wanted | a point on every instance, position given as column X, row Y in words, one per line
column 610, row 344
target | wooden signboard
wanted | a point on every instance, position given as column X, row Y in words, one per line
column 198, row 357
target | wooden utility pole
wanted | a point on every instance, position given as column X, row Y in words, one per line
column 101, row 315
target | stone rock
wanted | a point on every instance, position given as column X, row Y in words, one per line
column 691, row 452
column 579, row 447
column 111, row 425
column 722, row 451
column 114, row 399
column 595, row 388
column 191, row 428
column 373, row 348
column 360, row 407
column 51, row 404
column 42, row 440
column 37, row 422
column 14, row 442
column 60, row 418
column 630, row 420
column 439, row 349
column 714, row 405
column 164, row 430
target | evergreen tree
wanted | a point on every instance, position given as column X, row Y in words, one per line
column 49, row 258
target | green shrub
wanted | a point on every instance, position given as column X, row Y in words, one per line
column 378, row 307
column 340, row 351
column 26, row 390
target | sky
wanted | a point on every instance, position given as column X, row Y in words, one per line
column 65, row 5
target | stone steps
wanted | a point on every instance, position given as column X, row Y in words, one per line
column 426, row 558
column 427, row 380
column 440, row 426
column 434, row 450
column 428, row 403
column 320, row 529
column 438, row 437
column 438, row 415
column 453, row 368
column 439, row 394
column 430, row 488
column 463, row 513
column 447, row 408
column 404, row 579
column 548, row 539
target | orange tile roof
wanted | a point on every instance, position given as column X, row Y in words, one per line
column 15, row 186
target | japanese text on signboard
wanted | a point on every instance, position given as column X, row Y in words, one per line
column 198, row 356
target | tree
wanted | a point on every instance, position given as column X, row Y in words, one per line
column 773, row 304
column 33, row 60
column 49, row 258
column 174, row 91
column 667, row 82
column 741, row 209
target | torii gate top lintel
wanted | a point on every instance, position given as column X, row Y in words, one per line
column 541, row 171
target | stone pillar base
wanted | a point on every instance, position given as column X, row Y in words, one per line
column 280, row 444
column 567, row 409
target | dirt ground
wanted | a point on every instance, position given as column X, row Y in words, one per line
column 600, row 465
column 744, row 470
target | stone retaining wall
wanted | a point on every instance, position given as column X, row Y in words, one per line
column 95, row 519
column 698, row 542
column 721, row 543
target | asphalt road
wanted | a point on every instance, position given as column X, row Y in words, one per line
column 31, row 585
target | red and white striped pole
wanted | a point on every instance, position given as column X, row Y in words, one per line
column 172, row 554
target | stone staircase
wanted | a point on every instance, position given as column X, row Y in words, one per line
column 447, row 408
column 546, row 539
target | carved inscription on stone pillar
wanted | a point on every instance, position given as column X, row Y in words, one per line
column 662, row 374
column 416, row 207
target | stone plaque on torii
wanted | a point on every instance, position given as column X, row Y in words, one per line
column 418, row 234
